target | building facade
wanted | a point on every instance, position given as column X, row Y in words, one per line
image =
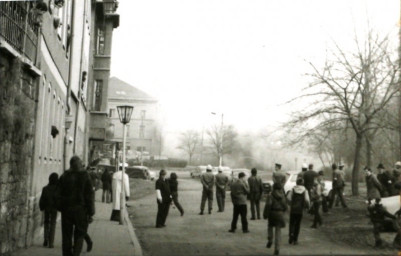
column 45, row 60
column 143, row 131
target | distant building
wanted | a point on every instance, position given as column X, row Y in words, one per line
column 143, row 131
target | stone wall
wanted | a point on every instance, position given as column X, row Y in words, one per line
column 17, row 110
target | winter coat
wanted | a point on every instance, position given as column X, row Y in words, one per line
column 338, row 179
column 48, row 199
column 75, row 189
column 275, row 207
column 221, row 181
column 373, row 187
column 106, row 180
column 239, row 192
column 164, row 186
column 255, row 187
column 207, row 180
column 309, row 178
column 316, row 193
column 279, row 177
column 173, row 185
column 298, row 199
column 117, row 177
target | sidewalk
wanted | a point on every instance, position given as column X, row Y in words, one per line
column 109, row 238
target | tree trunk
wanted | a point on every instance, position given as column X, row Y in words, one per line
column 355, row 169
column 368, row 151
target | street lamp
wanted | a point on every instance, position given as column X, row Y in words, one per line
column 221, row 139
column 124, row 113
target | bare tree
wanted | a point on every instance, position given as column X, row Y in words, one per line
column 189, row 142
column 229, row 139
column 352, row 88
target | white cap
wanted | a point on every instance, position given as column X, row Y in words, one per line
column 220, row 169
column 304, row 166
column 209, row 167
column 398, row 163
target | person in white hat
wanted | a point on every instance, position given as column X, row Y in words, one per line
column 207, row 180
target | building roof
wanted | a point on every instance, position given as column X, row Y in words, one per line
column 121, row 90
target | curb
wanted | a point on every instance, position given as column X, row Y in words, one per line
column 134, row 238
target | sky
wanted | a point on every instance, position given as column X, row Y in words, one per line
column 242, row 58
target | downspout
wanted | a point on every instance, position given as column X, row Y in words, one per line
column 69, row 85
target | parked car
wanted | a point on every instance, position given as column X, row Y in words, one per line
column 138, row 172
column 292, row 180
column 197, row 172
column 235, row 172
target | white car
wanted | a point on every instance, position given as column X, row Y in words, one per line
column 391, row 203
column 291, row 181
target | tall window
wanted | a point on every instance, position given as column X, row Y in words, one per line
column 112, row 112
column 141, row 131
column 100, row 41
column 97, row 98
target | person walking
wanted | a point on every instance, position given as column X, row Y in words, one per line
column 298, row 199
column 274, row 212
column 338, row 187
column 239, row 192
column 256, row 190
column 316, row 198
column 75, row 201
column 387, row 181
column 221, row 184
column 309, row 178
column 378, row 214
column 117, row 190
column 47, row 204
column 207, row 180
column 373, row 186
column 106, row 185
column 173, row 183
column 163, row 195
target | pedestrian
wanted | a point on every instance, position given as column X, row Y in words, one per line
column 316, row 199
column 255, row 193
column 221, row 185
column 239, row 192
column 386, row 180
column 309, row 178
column 396, row 178
column 378, row 214
column 338, row 185
column 207, row 180
column 373, row 186
column 106, row 185
column 298, row 199
column 304, row 168
column 279, row 175
column 117, row 190
column 75, row 201
column 173, row 183
column 47, row 204
column 274, row 212
column 163, row 195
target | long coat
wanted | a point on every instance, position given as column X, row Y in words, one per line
column 117, row 188
column 373, row 187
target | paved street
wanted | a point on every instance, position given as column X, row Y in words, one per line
column 207, row 235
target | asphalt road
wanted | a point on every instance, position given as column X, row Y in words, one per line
column 193, row 234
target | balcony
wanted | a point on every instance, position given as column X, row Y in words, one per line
column 19, row 27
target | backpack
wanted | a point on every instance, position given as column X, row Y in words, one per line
column 297, row 202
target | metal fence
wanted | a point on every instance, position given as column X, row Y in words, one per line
column 18, row 26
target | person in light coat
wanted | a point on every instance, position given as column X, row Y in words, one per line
column 116, row 185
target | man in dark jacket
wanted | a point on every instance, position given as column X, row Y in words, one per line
column 207, row 180
column 221, row 184
column 239, row 192
column 256, row 190
column 298, row 199
column 338, row 187
column 106, row 184
column 163, row 194
column 76, row 203
column 309, row 178
column 279, row 175
column 47, row 203
column 378, row 214
column 386, row 180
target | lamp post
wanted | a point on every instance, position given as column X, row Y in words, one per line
column 124, row 113
column 221, row 139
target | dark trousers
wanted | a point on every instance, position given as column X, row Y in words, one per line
column 239, row 209
column 176, row 203
column 106, row 195
column 337, row 192
column 255, row 205
column 207, row 194
column 50, row 226
column 325, row 204
column 74, row 223
column 316, row 213
column 162, row 212
column 220, row 198
column 295, row 226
